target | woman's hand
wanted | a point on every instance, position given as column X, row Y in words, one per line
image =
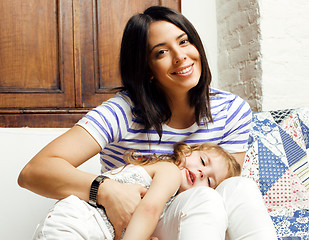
column 120, row 201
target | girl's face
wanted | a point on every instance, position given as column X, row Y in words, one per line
column 203, row 169
column 173, row 60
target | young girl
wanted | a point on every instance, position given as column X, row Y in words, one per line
column 166, row 176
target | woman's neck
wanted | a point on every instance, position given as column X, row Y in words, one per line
column 183, row 115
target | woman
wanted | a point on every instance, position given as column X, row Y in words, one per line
column 165, row 99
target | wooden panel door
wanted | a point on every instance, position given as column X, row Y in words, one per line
column 99, row 44
column 36, row 56
column 59, row 58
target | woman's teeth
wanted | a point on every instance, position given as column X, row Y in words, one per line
column 184, row 70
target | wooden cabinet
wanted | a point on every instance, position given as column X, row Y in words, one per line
column 59, row 58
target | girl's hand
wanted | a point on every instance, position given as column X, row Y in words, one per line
column 120, row 201
column 153, row 238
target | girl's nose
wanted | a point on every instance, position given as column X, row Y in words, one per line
column 201, row 174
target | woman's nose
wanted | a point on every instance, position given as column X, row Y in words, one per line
column 179, row 56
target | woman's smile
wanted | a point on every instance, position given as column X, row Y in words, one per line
column 174, row 61
column 184, row 71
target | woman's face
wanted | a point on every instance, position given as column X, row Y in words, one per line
column 173, row 60
column 203, row 169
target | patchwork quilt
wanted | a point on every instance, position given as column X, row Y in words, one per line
column 277, row 159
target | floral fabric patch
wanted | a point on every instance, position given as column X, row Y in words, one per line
column 277, row 159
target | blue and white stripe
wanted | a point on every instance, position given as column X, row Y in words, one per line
column 116, row 130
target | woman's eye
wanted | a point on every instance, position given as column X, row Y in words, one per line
column 160, row 53
column 184, row 41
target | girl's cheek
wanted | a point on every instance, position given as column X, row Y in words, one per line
column 182, row 163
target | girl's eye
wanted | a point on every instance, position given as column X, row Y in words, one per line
column 203, row 162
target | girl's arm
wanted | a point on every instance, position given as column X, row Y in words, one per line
column 166, row 181
column 53, row 173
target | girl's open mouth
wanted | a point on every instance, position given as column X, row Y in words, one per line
column 190, row 176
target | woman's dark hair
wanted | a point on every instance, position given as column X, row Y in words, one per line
column 150, row 103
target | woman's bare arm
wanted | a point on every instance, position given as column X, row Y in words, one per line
column 166, row 181
column 53, row 173
column 240, row 157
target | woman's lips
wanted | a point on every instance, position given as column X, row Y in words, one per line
column 185, row 71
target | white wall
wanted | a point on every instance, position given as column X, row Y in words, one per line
column 202, row 14
column 21, row 210
column 285, row 53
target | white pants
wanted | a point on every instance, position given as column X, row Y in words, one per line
column 205, row 214
column 199, row 213
column 247, row 215
column 72, row 219
column 196, row 214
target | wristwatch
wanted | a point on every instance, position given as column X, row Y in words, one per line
column 94, row 189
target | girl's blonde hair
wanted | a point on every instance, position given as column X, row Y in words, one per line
column 181, row 151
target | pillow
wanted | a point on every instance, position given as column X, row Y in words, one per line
column 278, row 162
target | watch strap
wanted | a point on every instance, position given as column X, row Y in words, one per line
column 94, row 189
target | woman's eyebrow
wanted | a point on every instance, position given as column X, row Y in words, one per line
column 181, row 35
column 157, row 45
column 162, row 44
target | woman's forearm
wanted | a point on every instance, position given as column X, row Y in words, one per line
column 53, row 171
column 55, row 178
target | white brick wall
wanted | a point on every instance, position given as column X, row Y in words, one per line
column 239, row 58
column 263, row 51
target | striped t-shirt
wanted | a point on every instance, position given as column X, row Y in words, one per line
column 115, row 128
